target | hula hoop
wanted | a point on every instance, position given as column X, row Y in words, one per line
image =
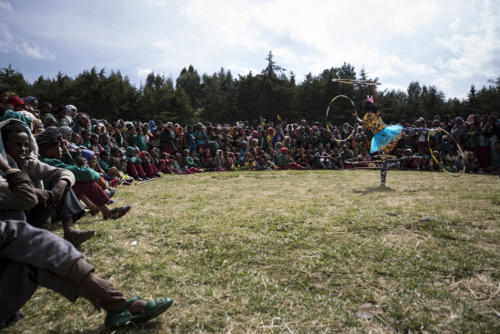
column 328, row 111
column 356, row 82
column 381, row 158
column 433, row 156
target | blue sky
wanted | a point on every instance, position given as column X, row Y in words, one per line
column 450, row 44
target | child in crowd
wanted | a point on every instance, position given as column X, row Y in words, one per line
column 220, row 161
column 148, row 166
column 134, row 165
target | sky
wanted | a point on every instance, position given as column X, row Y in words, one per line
column 449, row 44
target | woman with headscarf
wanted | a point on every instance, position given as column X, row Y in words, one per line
column 81, row 123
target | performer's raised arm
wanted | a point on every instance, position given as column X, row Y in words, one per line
column 359, row 120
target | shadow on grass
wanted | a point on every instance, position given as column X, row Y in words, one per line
column 369, row 190
column 147, row 327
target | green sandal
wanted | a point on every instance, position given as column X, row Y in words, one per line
column 122, row 315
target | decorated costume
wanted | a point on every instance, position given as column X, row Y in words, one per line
column 385, row 137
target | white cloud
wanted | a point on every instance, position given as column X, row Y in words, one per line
column 392, row 87
column 20, row 45
column 475, row 52
column 32, row 50
column 407, row 17
column 455, row 25
column 243, row 70
column 163, row 45
column 312, row 37
column 143, row 72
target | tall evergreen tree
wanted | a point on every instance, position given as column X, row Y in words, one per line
column 189, row 80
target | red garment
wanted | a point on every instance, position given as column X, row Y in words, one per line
column 192, row 170
column 416, row 162
column 15, row 101
column 135, row 170
column 150, row 170
column 93, row 191
column 162, row 166
column 292, row 165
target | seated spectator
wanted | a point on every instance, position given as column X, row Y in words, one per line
column 406, row 159
column 148, row 166
column 81, row 122
column 53, row 185
column 31, row 257
column 19, row 106
column 433, row 164
column 45, row 111
column 229, row 160
column 321, row 160
column 284, row 161
column 6, row 109
column 163, row 165
column 60, row 116
column 31, row 105
column 49, row 121
column 177, row 164
column 139, row 140
column 207, row 162
column 419, row 161
column 248, row 162
column 301, row 158
column 17, row 192
column 471, row 162
column 336, row 159
column 88, row 186
column 452, row 160
column 71, row 112
column 134, row 165
column 220, row 161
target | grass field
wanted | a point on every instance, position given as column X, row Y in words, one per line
column 297, row 252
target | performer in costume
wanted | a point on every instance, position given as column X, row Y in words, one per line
column 385, row 137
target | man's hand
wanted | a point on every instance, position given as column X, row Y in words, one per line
column 58, row 190
column 45, row 197
column 100, row 292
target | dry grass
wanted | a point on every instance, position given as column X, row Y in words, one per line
column 298, row 252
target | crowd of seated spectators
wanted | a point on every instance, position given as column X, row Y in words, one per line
column 122, row 151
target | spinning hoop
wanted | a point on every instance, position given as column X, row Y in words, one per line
column 356, row 82
column 456, row 174
column 381, row 158
column 328, row 111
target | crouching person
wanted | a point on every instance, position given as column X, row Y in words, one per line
column 32, row 257
column 20, row 153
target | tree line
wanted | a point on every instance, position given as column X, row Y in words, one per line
column 220, row 97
